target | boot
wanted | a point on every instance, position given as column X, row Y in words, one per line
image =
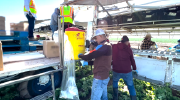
column 133, row 97
column 115, row 93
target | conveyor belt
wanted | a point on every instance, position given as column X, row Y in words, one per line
column 30, row 65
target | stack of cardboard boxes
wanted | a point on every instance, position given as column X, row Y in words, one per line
column 2, row 25
column 19, row 26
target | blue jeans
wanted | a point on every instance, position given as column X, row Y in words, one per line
column 53, row 28
column 128, row 79
column 99, row 89
column 31, row 21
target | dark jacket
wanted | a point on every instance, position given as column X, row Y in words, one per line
column 102, row 62
column 146, row 44
column 122, row 58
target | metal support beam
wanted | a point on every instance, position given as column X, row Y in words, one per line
column 132, row 9
column 53, row 88
column 61, row 40
column 103, row 8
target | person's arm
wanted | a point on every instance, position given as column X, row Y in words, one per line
column 133, row 61
column 55, row 17
column 151, row 43
column 99, row 51
column 26, row 4
column 175, row 46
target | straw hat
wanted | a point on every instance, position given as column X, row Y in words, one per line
column 148, row 35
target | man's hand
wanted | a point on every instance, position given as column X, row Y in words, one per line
column 135, row 72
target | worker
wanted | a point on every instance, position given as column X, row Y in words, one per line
column 54, row 21
column 122, row 59
column 147, row 43
column 68, row 13
column 177, row 46
column 30, row 12
column 102, row 65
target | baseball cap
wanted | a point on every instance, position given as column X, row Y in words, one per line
column 99, row 32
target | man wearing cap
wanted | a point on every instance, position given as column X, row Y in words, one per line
column 102, row 65
column 147, row 43
column 121, row 65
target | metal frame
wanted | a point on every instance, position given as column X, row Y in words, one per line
column 33, row 77
column 103, row 8
column 61, row 40
column 169, row 68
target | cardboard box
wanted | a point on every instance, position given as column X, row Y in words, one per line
column 1, row 57
column 50, row 49
column 2, row 18
column 2, row 27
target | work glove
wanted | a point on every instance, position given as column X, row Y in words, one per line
column 84, row 63
column 135, row 72
column 80, row 54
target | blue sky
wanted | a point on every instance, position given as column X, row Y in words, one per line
column 13, row 9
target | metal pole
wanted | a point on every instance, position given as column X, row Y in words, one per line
column 103, row 8
column 28, row 78
column 54, row 91
column 61, row 40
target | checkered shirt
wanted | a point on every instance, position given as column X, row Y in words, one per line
column 146, row 44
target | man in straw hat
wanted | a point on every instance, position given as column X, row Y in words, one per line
column 147, row 43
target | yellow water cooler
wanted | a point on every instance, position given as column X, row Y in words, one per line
column 77, row 39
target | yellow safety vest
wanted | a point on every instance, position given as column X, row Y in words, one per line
column 67, row 12
column 31, row 7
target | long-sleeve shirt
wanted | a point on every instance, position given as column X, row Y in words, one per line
column 54, row 17
column 122, row 58
column 146, row 44
column 26, row 4
column 177, row 46
column 102, row 62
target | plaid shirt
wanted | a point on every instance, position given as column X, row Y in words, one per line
column 146, row 44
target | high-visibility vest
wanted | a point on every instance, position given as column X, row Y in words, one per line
column 31, row 7
column 67, row 12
